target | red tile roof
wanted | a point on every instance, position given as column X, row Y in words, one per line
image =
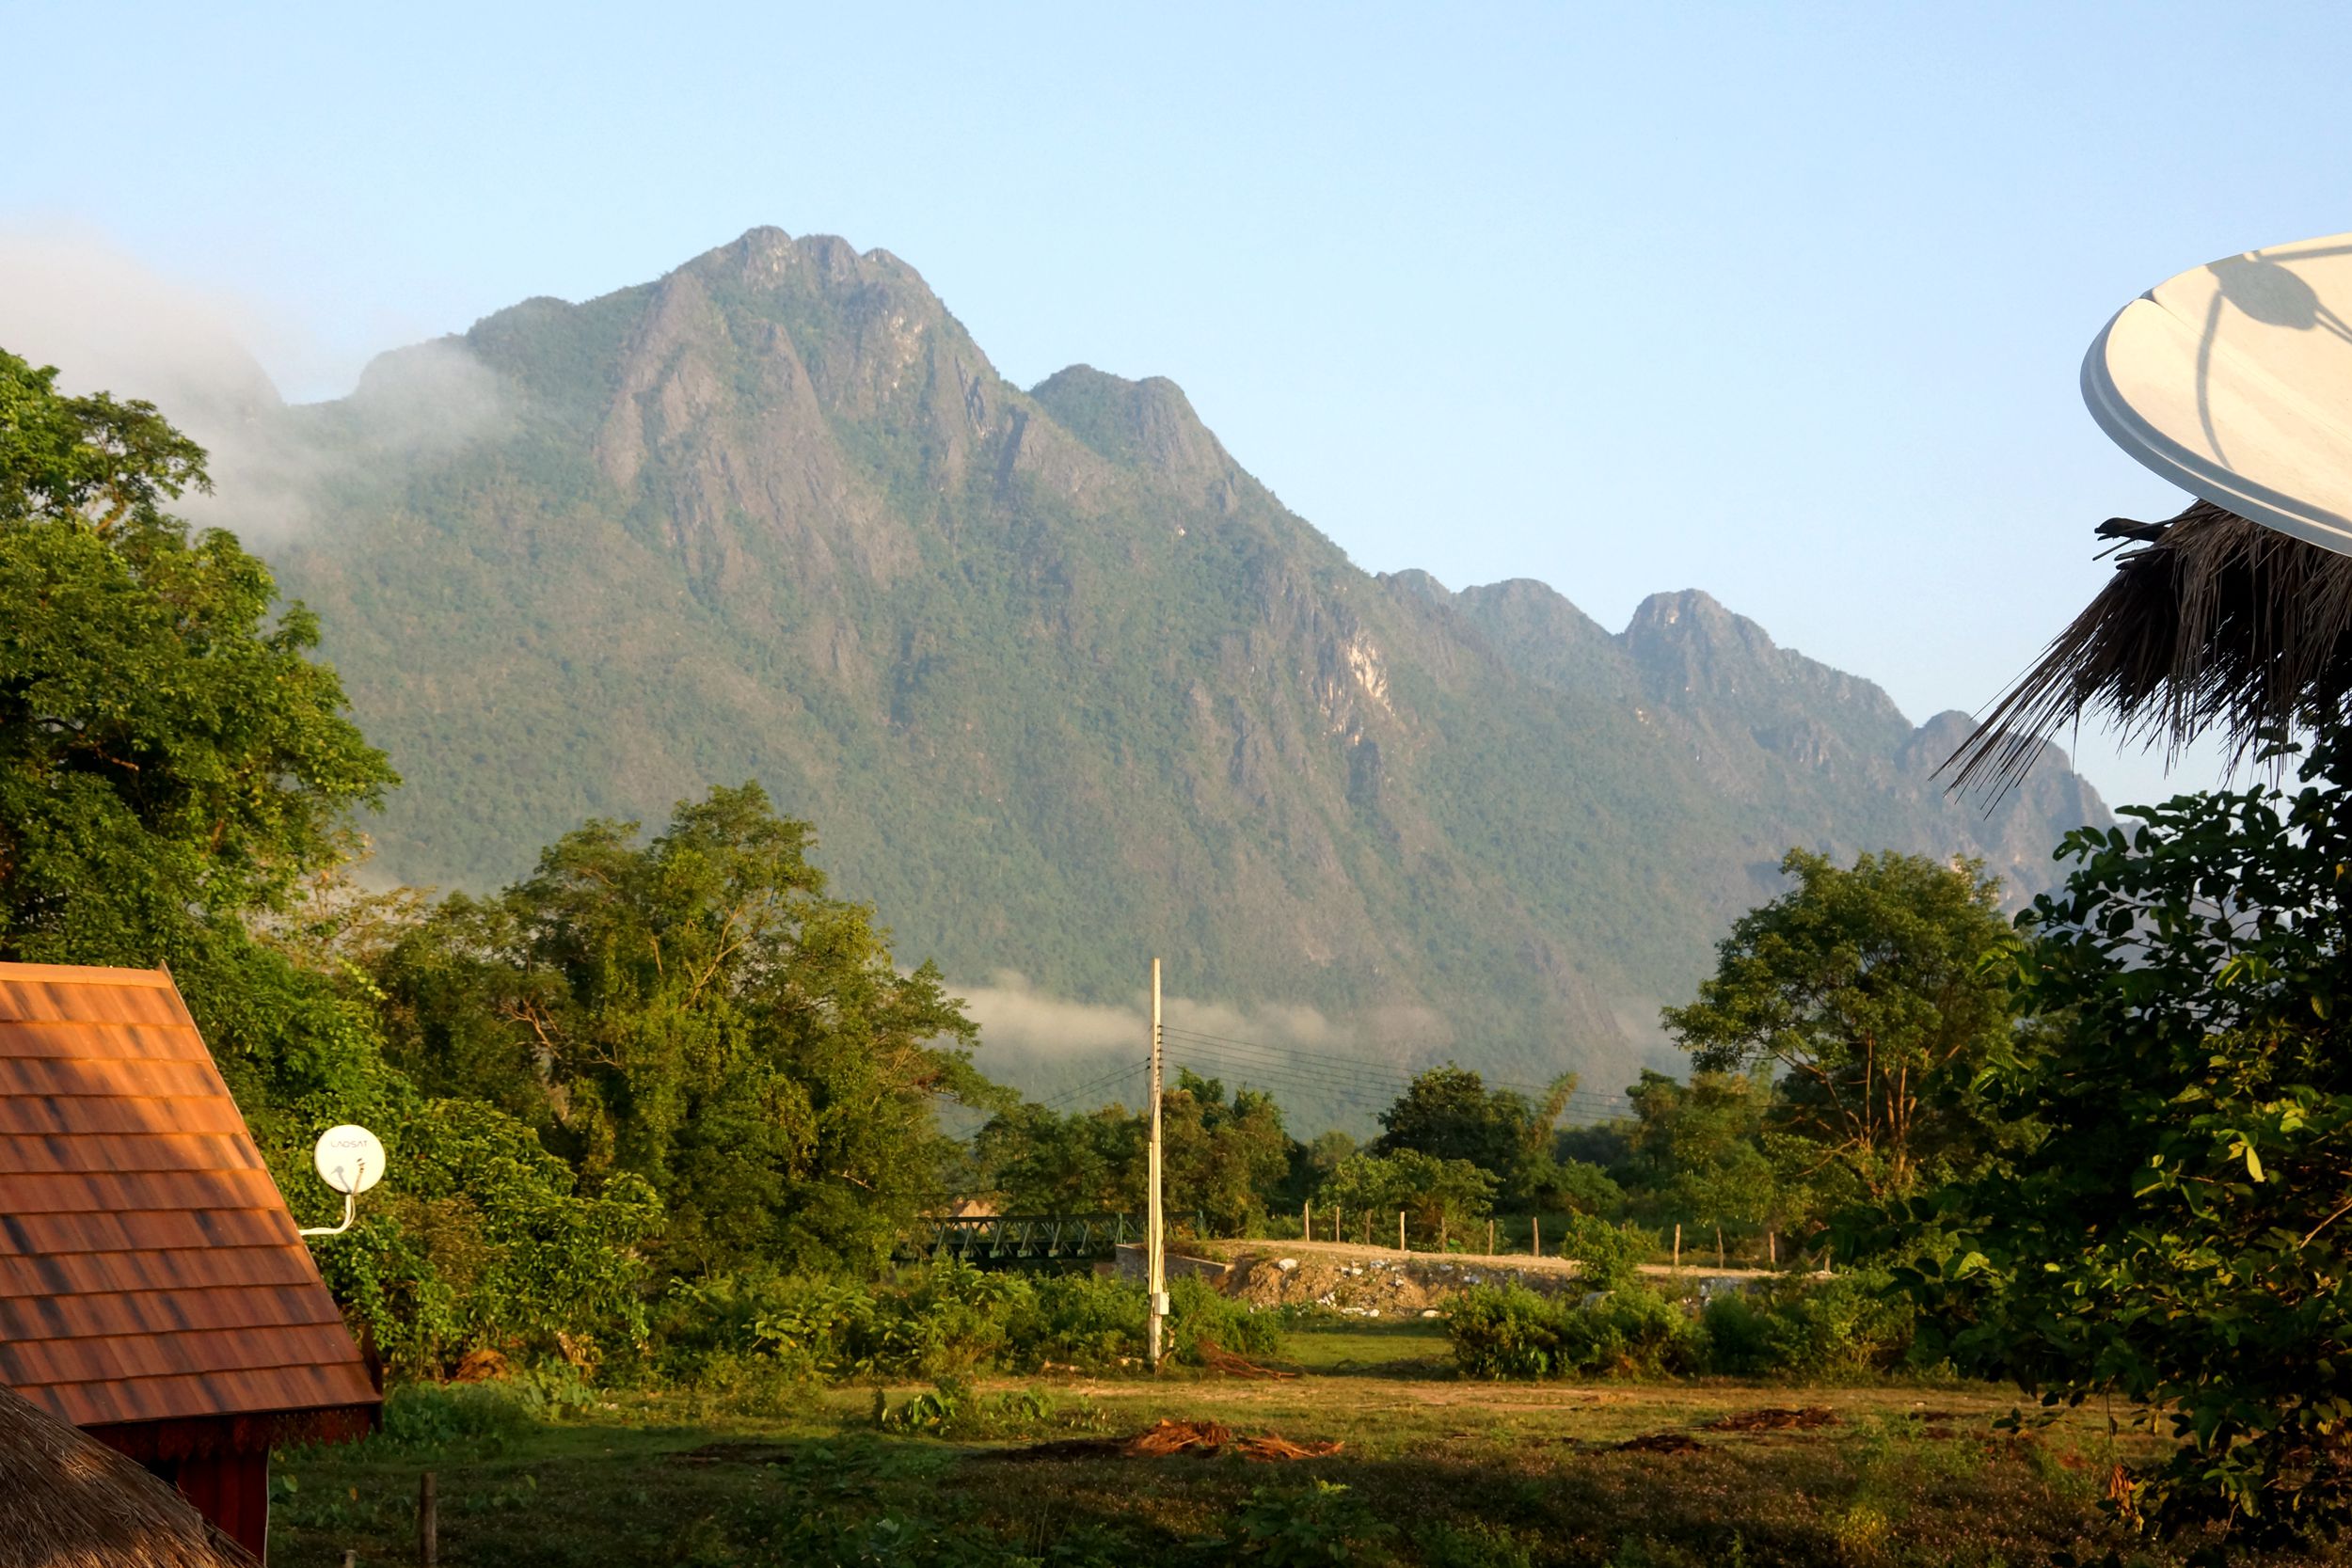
column 149, row 1269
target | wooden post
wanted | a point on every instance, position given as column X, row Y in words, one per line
column 351, row 1558
column 1491, row 1236
column 428, row 1523
column 1156, row 1255
column 1719, row 1247
column 1678, row 1243
column 1441, row 1241
column 1338, row 1223
column 1307, row 1221
column 1772, row 1246
column 1535, row 1246
column 1400, row 1231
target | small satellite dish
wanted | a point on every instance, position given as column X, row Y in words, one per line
column 2234, row 382
column 350, row 1160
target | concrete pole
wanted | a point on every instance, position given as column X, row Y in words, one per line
column 1154, row 1242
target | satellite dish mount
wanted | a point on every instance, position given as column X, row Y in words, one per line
column 350, row 1160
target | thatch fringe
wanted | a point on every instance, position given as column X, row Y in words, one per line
column 68, row 1502
column 2211, row 625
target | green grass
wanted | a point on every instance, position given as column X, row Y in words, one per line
column 1406, row 1348
column 1440, row 1472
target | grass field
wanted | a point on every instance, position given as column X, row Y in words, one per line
column 1437, row 1472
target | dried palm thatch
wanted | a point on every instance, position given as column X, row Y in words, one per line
column 2211, row 624
column 67, row 1501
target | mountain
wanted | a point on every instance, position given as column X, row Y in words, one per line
column 1063, row 685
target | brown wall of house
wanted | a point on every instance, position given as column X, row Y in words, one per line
column 230, row 1489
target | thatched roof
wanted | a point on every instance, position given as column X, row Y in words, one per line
column 2211, row 626
column 67, row 1501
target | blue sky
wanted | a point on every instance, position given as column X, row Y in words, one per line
column 1785, row 302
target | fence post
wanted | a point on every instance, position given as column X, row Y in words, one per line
column 1400, row 1231
column 1307, row 1220
column 1772, row 1246
column 428, row 1548
column 1536, row 1246
column 1678, row 1243
column 1491, row 1236
column 1719, row 1247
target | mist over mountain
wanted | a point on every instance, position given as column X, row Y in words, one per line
column 1063, row 687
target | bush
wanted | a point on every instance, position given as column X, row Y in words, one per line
column 1509, row 1331
column 433, row 1416
column 1845, row 1326
column 1323, row 1522
column 1609, row 1256
column 1197, row 1315
column 948, row 1320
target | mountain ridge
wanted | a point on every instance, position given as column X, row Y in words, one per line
column 1061, row 682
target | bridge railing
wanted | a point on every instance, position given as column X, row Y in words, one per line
column 1016, row 1238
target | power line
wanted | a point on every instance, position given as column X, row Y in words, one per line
column 1093, row 1083
column 1250, row 1074
column 1374, row 1073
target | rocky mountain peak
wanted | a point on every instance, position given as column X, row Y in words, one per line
column 1149, row 423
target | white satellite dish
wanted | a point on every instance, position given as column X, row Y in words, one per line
column 2234, row 382
column 350, row 1160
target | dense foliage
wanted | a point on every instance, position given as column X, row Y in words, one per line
column 2178, row 1237
column 948, row 1319
column 1224, row 1159
column 1875, row 994
column 693, row 1011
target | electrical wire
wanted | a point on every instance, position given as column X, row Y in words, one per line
column 1093, row 1083
column 1393, row 1079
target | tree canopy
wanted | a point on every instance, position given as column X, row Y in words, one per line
column 695, row 1011
column 1874, row 994
column 2181, row 1233
column 169, row 754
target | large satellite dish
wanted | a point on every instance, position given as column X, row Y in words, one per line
column 2234, row 382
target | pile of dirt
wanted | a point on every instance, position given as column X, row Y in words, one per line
column 1166, row 1439
column 1773, row 1417
column 1359, row 1287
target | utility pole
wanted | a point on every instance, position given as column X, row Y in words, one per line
column 1154, row 1241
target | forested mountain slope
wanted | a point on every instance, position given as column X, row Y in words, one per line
column 1062, row 686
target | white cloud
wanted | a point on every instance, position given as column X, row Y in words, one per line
column 110, row 324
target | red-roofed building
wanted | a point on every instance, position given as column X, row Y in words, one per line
column 153, row 1290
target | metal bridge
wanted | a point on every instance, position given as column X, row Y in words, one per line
column 1020, row 1238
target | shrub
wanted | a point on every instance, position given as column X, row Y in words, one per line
column 1323, row 1522
column 1197, row 1315
column 1844, row 1326
column 1510, row 1331
column 1610, row 1255
column 427, row 1417
column 948, row 1320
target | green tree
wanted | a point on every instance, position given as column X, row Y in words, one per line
column 2181, row 1234
column 1877, row 995
column 695, row 1011
column 1225, row 1159
column 1448, row 1112
column 1084, row 1163
column 1438, row 1197
column 176, row 778
column 1697, row 1157
column 171, row 760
